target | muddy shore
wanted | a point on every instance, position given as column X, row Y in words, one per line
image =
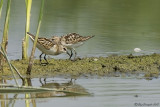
column 147, row 65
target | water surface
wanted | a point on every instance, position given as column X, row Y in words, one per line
column 107, row 92
column 118, row 26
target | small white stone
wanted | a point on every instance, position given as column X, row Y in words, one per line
column 95, row 59
column 137, row 49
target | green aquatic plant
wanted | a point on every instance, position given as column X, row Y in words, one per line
column 25, row 42
column 1, row 5
column 5, row 33
column 31, row 59
column 6, row 26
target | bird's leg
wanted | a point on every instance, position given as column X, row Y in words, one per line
column 40, row 58
column 40, row 81
column 68, row 53
column 71, row 55
column 45, row 59
column 45, row 80
column 75, row 53
column 72, row 81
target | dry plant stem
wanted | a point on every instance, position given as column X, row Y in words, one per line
column 10, row 66
column 31, row 59
column 17, row 72
column 23, row 49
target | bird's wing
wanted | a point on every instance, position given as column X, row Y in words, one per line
column 73, row 38
column 47, row 43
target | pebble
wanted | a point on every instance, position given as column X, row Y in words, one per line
column 95, row 59
column 137, row 50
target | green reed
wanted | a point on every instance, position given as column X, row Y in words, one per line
column 6, row 26
column 1, row 5
column 25, row 42
column 3, row 45
column 31, row 59
column 5, row 33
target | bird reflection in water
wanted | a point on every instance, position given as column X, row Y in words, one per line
column 69, row 88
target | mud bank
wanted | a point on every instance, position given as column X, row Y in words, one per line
column 148, row 65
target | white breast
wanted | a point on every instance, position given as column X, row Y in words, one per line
column 52, row 51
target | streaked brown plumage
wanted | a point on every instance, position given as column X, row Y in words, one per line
column 73, row 38
column 48, row 47
column 71, row 41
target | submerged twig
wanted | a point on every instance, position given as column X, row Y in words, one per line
column 17, row 72
column 29, row 87
column 24, row 89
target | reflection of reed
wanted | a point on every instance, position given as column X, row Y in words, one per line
column 29, row 97
column 4, row 103
column 7, row 103
column 2, row 96
column 12, row 101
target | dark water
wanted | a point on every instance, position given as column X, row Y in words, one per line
column 119, row 26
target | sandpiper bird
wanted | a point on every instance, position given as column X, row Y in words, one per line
column 48, row 47
column 71, row 41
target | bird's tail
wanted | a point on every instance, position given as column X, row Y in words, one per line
column 31, row 36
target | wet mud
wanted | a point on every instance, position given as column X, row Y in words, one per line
column 147, row 65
